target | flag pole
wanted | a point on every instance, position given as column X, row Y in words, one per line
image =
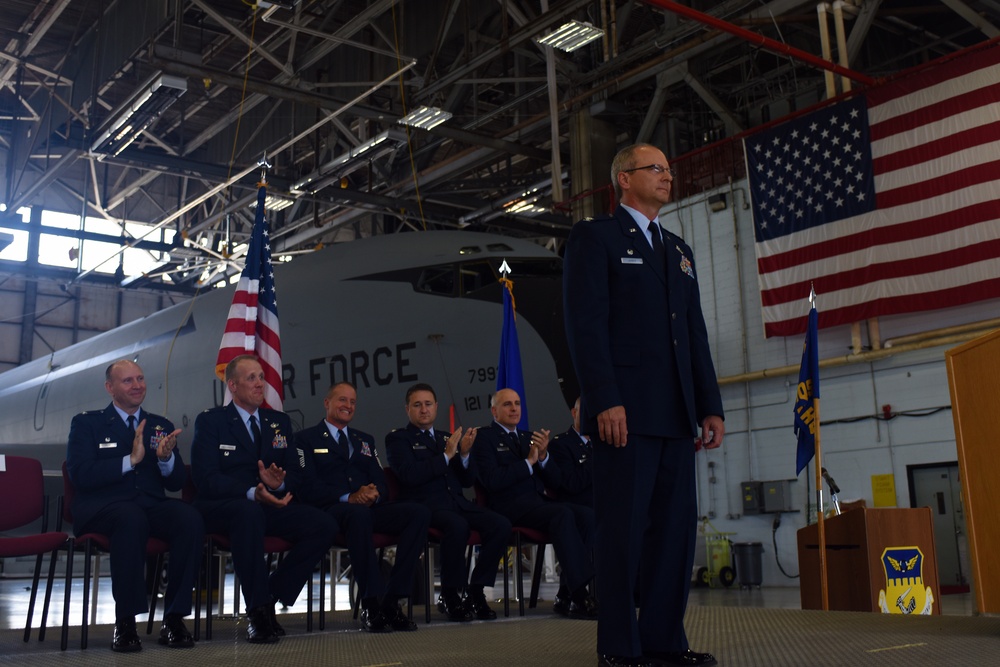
column 823, row 583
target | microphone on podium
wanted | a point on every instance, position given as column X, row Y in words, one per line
column 829, row 480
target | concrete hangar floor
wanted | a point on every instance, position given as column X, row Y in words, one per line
column 743, row 628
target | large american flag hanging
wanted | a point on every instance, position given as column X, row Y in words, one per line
column 886, row 203
column 252, row 326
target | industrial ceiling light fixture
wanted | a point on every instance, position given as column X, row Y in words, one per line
column 571, row 36
column 425, row 117
column 273, row 203
column 344, row 164
column 131, row 118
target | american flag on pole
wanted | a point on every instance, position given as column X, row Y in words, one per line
column 252, row 326
column 888, row 202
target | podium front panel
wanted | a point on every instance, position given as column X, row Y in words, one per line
column 880, row 560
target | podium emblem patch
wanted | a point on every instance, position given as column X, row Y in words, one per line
column 904, row 591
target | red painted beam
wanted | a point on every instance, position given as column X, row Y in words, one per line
column 760, row 40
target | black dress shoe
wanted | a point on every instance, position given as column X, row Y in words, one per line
column 174, row 634
column 605, row 660
column 372, row 620
column 686, row 658
column 477, row 607
column 126, row 639
column 259, row 630
column 273, row 618
column 451, row 606
column 585, row 608
column 561, row 605
column 397, row 620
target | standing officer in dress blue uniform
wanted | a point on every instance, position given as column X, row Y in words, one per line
column 238, row 461
column 433, row 467
column 120, row 460
column 514, row 468
column 338, row 471
column 639, row 345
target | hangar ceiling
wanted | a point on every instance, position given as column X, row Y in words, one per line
column 309, row 84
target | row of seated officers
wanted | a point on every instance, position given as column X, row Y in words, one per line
column 255, row 477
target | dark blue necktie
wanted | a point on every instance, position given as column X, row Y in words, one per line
column 256, row 433
column 342, row 442
column 654, row 233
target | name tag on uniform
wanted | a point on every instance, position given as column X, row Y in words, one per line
column 230, row 448
column 107, row 445
column 417, row 445
column 503, row 448
column 321, row 451
column 631, row 260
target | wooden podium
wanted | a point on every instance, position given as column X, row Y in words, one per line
column 856, row 572
column 974, row 379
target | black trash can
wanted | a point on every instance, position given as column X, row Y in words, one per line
column 748, row 563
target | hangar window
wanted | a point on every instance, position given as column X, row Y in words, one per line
column 93, row 244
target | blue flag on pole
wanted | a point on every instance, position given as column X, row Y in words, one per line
column 509, row 374
column 805, row 423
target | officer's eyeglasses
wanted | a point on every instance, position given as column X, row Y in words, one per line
column 655, row 168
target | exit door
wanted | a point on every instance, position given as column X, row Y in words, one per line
column 938, row 486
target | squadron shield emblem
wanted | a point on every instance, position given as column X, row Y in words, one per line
column 904, row 591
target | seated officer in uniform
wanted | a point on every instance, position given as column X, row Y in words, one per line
column 120, row 460
column 572, row 452
column 338, row 471
column 433, row 467
column 238, row 463
column 514, row 468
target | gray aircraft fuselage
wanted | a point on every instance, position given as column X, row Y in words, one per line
column 383, row 313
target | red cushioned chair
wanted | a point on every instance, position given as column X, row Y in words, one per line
column 433, row 537
column 22, row 496
column 94, row 546
column 520, row 536
column 219, row 546
column 381, row 542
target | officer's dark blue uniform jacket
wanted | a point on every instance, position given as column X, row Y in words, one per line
column 98, row 440
column 322, row 472
column 223, row 456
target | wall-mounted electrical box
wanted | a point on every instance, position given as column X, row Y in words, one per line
column 753, row 503
column 777, row 496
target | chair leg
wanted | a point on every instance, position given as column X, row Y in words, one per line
column 48, row 596
column 506, row 584
column 519, row 573
column 309, row 604
column 154, row 590
column 536, row 577
column 428, row 584
column 197, row 601
column 211, row 591
column 31, row 598
column 85, row 626
column 96, row 588
column 322, row 591
column 64, row 641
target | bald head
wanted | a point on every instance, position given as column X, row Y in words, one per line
column 126, row 384
column 506, row 408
